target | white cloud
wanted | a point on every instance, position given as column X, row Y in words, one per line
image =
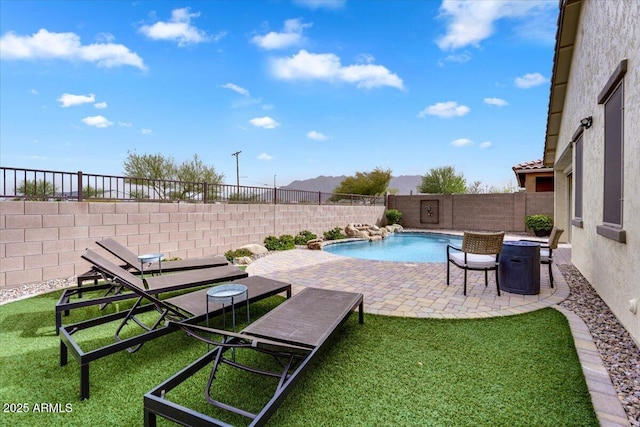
column 327, row 67
column 530, row 80
column 145, row 131
column 471, row 21
column 66, row 46
column 33, row 92
column 264, row 156
column 236, row 88
column 486, row 144
column 320, row 4
column 68, row 100
column 178, row 29
column 460, row 58
column 445, row 110
column 317, row 136
column 100, row 105
column 498, row 102
column 97, row 121
column 291, row 35
column 264, row 122
column 125, row 124
column 462, row 142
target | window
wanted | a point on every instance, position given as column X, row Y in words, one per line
column 612, row 96
column 577, row 179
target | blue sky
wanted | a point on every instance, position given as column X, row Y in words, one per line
column 301, row 88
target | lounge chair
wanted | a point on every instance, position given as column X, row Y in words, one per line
column 133, row 263
column 189, row 308
column 112, row 275
column 546, row 249
column 293, row 333
column 479, row 252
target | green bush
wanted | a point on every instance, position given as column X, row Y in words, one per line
column 284, row 242
column 303, row 237
column 230, row 255
column 394, row 216
column 335, row 234
column 539, row 222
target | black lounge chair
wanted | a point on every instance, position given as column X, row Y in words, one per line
column 191, row 307
column 132, row 263
column 293, row 333
column 112, row 275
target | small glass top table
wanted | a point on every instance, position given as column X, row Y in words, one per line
column 148, row 258
column 230, row 294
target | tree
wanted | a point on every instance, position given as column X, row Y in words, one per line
column 166, row 178
column 374, row 183
column 37, row 189
column 475, row 188
column 443, row 180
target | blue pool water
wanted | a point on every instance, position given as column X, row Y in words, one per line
column 407, row 247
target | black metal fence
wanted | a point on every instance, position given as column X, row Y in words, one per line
column 35, row 184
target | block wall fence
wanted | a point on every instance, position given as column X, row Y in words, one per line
column 480, row 212
column 42, row 241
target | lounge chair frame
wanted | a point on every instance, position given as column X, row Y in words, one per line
column 296, row 358
column 113, row 276
column 189, row 308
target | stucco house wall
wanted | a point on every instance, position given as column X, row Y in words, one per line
column 606, row 33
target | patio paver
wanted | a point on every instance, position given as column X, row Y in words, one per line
column 420, row 290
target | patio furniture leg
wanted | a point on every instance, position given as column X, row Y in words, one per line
column 465, row 281
column 486, row 278
column 84, row 381
column 497, row 283
column 550, row 275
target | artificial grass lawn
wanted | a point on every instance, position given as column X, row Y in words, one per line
column 509, row 371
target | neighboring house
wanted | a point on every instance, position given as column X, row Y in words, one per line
column 593, row 143
column 534, row 176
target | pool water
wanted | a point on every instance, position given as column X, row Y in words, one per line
column 406, row 247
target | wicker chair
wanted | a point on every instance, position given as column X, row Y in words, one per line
column 479, row 252
column 546, row 249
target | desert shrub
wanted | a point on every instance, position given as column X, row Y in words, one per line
column 284, row 242
column 230, row 255
column 394, row 216
column 334, row 234
column 539, row 222
column 304, row 236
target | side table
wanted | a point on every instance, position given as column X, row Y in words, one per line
column 519, row 267
column 148, row 258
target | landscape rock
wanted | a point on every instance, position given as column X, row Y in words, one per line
column 255, row 249
column 315, row 244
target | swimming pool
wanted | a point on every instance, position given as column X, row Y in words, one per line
column 406, row 247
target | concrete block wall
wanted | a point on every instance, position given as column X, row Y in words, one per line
column 488, row 212
column 41, row 241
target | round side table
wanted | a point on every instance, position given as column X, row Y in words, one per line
column 148, row 258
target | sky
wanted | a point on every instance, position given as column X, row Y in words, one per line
column 299, row 88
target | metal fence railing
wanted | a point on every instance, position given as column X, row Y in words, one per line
column 35, row 184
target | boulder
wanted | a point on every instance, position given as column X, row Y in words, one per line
column 255, row 249
column 243, row 260
column 374, row 238
column 315, row 244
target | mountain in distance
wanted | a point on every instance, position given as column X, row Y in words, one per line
column 405, row 184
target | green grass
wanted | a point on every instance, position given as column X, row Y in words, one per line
column 509, row 371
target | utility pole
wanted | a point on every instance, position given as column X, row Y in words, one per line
column 237, row 153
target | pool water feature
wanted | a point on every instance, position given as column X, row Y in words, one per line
column 403, row 247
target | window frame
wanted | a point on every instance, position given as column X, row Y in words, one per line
column 613, row 140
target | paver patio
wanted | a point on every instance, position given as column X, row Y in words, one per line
column 420, row 290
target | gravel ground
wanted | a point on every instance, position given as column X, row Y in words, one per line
column 618, row 351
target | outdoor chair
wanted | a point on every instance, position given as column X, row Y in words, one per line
column 192, row 307
column 131, row 262
column 293, row 333
column 479, row 252
column 112, row 275
column 546, row 249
